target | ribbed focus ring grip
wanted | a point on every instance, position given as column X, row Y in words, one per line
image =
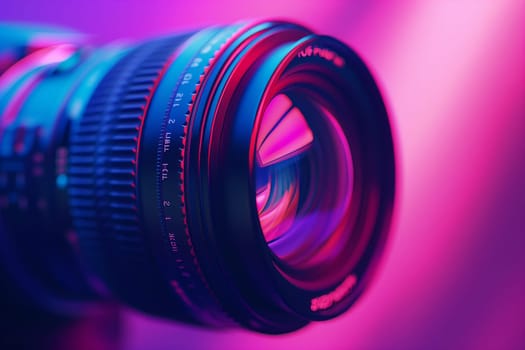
column 103, row 195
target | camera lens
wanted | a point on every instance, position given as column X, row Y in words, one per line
column 235, row 175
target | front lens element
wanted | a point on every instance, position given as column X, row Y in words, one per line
column 304, row 180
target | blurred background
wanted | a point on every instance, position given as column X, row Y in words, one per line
column 453, row 73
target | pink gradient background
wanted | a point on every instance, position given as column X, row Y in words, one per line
column 453, row 73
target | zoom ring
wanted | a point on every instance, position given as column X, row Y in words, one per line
column 103, row 184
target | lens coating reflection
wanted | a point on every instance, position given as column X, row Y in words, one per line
column 304, row 180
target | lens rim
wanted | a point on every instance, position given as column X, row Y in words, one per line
column 219, row 92
column 223, row 216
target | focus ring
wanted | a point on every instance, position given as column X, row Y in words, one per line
column 103, row 182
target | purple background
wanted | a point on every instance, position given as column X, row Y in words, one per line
column 454, row 76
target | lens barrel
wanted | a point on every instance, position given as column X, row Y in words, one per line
column 235, row 175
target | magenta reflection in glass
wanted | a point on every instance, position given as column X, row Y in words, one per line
column 304, row 179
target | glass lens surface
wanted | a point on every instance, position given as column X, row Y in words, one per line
column 304, row 181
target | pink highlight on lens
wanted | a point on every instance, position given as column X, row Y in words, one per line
column 48, row 56
column 40, row 58
column 279, row 217
column 277, row 108
column 289, row 136
column 263, row 194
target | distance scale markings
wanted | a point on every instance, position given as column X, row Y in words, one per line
column 170, row 165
